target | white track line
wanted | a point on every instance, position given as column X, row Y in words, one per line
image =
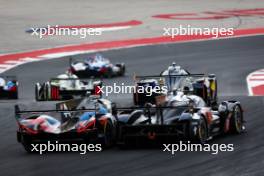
column 258, row 75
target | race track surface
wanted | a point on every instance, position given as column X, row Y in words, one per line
column 231, row 60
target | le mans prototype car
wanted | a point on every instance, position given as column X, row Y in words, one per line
column 96, row 66
column 199, row 84
column 8, row 87
column 85, row 120
column 173, row 79
column 65, row 87
column 179, row 116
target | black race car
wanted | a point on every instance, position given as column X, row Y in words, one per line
column 147, row 88
column 183, row 117
column 8, row 87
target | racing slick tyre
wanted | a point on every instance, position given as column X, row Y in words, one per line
column 47, row 92
column 201, row 132
column 123, row 71
column 236, row 121
column 26, row 142
column 108, row 138
column 135, row 99
column 37, row 92
column 122, row 68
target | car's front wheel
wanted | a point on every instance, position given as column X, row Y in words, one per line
column 201, row 132
column 236, row 124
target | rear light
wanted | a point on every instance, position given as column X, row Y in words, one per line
column 103, row 70
column 27, row 129
column 55, row 92
column 13, row 89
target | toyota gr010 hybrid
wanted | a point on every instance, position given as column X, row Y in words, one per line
column 85, row 120
column 179, row 117
column 173, row 79
column 65, row 87
column 197, row 84
column 96, row 66
column 8, row 87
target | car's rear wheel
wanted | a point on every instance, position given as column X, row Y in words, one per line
column 25, row 141
column 123, row 70
column 109, row 135
column 135, row 99
column 201, row 132
column 37, row 95
column 47, row 92
column 237, row 120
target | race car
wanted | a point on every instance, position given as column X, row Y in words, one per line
column 174, row 69
column 97, row 66
column 8, row 87
column 156, row 85
column 87, row 120
column 66, row 86
column 179, row 75
column 183, row 117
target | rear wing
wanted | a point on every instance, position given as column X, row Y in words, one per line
column 75, row 79
column 19, row 113
column 136, row 77
column 52, row 110
column 149, row 109
column 172, row 82
column 89, row 81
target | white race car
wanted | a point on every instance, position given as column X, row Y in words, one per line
column 96, row 66
column 66, row 86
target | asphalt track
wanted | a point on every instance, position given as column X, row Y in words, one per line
column 231, row 60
